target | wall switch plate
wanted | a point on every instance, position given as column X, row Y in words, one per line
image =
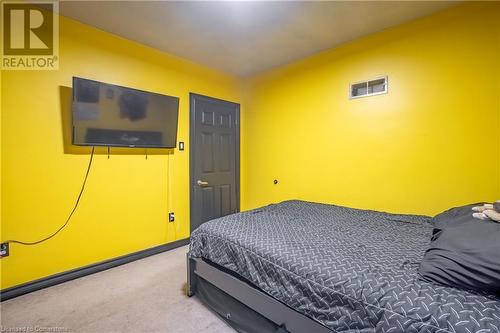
column 181, row 145
column 4, row 250
column 171, row 217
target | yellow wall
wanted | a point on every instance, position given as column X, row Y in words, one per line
column 430, row 143
column 124, row 208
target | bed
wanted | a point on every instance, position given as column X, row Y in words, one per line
column 306, row 267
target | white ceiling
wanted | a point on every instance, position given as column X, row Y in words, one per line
column 243, row 37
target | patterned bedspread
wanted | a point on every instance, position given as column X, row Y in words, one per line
column 351, row 270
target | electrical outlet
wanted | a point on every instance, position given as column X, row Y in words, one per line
column 171, row 217
column 4, row 250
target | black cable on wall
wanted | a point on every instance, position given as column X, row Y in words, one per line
column 70, row 214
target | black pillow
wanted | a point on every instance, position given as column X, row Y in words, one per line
column 455, row 217
column 464, row 252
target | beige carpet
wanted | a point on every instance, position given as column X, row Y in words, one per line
column 144, row 296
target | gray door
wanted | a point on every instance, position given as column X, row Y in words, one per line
column 214, row 158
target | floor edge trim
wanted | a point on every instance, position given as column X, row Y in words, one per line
column 76, row 273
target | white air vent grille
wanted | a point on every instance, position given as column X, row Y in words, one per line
column 368, row 88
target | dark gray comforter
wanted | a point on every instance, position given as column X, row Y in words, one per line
column 351, row 270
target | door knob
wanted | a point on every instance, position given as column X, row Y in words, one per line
column 202, row 183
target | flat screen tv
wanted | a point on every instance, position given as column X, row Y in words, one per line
column 110, row 115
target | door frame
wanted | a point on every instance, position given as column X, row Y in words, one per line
column 192, row 98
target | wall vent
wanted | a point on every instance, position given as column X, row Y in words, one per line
column 368, row 88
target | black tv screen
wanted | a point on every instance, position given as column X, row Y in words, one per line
column 110, row 115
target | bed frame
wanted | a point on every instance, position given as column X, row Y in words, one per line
column 284, row 318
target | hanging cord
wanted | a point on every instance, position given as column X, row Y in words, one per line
column 70, row 215
column 168, row 182
column 169, row 195
column 168, row 191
